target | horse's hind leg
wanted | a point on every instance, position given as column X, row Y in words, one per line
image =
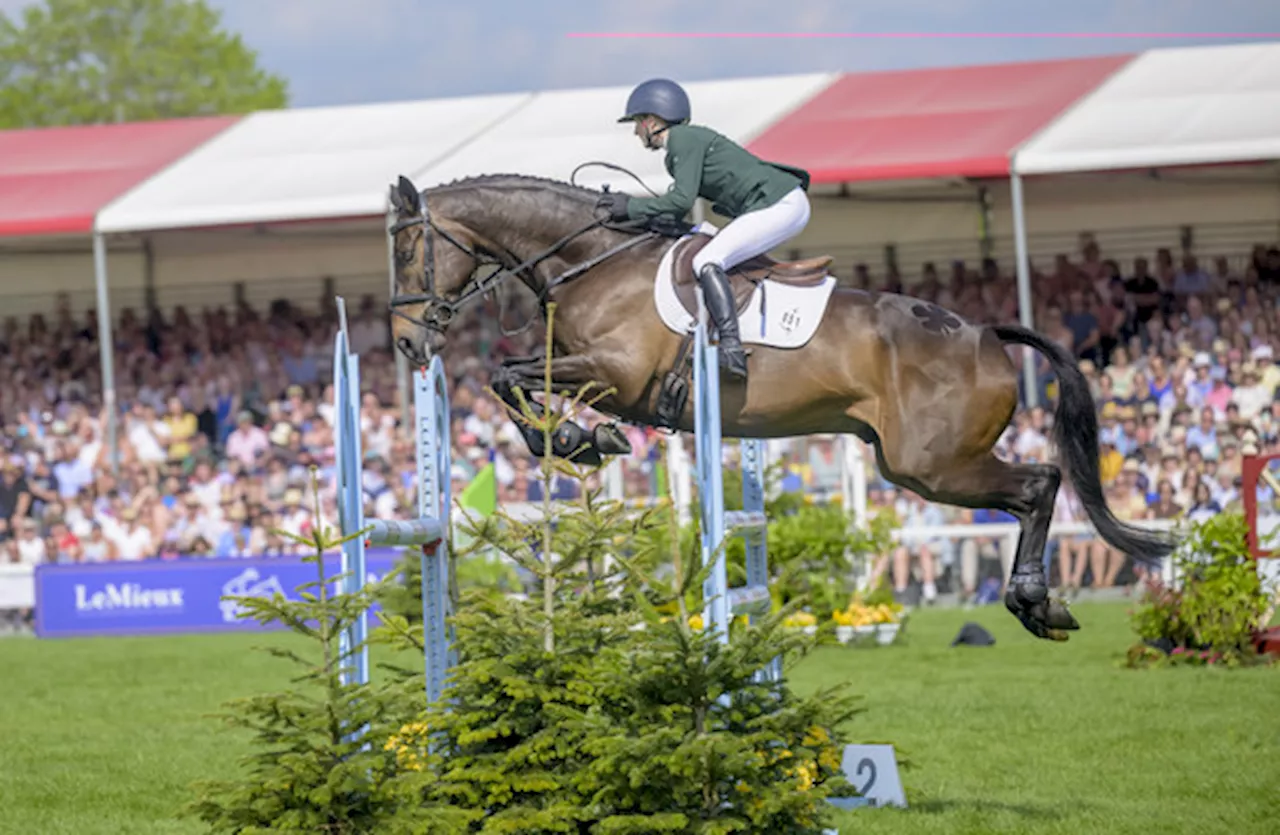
column 1027, row 491
column 1027, row 595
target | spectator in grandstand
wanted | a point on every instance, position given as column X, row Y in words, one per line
column 15, row 495
column 1190, row 280
column 975, row 549
column 1203, row 327
column 1165, row 505
column 916, row 513
column 1250, row 396
column 1142, row 294
column 1073, row 549
column 1086, row 335
column 248, row 443
column 30, row 546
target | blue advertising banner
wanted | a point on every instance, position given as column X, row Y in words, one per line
column 187, row 595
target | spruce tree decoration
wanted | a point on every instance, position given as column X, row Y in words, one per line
column 319, row 765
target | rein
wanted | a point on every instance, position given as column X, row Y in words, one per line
column 441, row 311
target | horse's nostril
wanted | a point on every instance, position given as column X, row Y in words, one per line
column 406, row 348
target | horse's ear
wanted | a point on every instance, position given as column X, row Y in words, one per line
column 409, row 197
column 396, row 202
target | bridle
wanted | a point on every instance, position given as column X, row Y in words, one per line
column 441, row 311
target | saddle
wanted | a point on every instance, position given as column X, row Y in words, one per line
column 673, row 393
column 808, row 272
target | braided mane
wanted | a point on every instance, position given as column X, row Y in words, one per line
column 525, row 182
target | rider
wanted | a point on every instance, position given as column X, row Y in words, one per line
column 766, row 201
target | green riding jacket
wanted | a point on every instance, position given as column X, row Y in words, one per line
column 706, row 164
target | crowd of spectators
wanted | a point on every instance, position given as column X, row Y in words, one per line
column 224, row 415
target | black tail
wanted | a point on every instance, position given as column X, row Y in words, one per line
column 1075, row 429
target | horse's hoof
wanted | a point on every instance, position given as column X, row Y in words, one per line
column 534, row 440
column 572, row 443
column 589, row 456
column 610, row 440
column 1028, row 599
column 1060, row 617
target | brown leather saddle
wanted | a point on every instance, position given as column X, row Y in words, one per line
column 809, row 272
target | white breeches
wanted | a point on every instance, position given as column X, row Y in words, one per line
column 755, row 233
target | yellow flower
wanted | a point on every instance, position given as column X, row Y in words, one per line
column 408, row 744
column 806, row 775
column 817, row 735
column 695, row 623
column 800, row 619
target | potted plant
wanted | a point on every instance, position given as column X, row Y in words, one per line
column 803, row 621
column 865, row 617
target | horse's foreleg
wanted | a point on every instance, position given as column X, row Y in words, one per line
column 504, row 385
column 570, row 440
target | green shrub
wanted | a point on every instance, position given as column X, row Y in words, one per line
column 609, row 715
column 1210, row 615
column 311, row 769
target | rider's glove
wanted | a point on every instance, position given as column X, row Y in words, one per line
column 616, row 204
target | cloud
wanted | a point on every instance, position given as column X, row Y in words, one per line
column 329, row 19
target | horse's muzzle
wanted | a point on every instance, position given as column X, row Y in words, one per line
column 418, row 344
column 415, row 352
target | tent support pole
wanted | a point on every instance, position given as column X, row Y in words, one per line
column 106, row 348
column 1025, row 312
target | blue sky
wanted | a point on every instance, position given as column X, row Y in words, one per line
column 350, row 51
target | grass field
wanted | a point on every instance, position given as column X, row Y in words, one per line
column 106, row 735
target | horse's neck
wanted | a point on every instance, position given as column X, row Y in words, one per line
column 516, row 225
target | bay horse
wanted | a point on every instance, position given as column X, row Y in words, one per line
column 928, row 391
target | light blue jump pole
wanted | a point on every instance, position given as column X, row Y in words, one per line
column 430, row 531
column 722, row 603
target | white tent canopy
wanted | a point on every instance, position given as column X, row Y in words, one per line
column 336, row 162
column 1169, row 107
column 560, row 130
column 305, row 164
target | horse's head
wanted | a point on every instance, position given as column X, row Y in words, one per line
column 435, row 259
column 529, row 229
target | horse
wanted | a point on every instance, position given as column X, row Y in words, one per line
column 929, row 392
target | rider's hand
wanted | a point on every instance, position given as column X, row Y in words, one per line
column 616, row 204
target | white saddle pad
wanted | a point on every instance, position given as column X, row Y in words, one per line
column 778, row 315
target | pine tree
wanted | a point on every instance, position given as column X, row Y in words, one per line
column 320, row 763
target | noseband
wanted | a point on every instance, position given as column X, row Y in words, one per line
column 440, row 311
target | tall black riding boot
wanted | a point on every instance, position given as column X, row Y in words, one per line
column 719, row 298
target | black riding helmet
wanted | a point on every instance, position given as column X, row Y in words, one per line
column 660, row 97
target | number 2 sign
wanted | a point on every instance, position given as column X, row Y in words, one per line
column 872, row 770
